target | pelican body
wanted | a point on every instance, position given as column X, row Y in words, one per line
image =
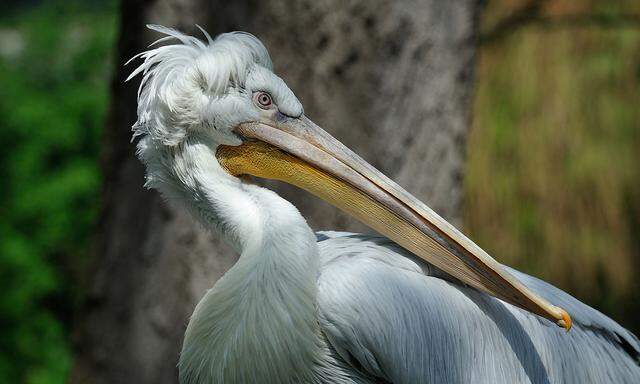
column 423, row 304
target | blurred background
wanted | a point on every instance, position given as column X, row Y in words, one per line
column 549, row 181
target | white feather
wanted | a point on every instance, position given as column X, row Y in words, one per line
column 180, row 82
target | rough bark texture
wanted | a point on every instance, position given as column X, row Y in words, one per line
column 391, row 79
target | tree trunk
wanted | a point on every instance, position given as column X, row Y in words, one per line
column 392, row 80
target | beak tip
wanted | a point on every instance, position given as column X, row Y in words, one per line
column 565, row 322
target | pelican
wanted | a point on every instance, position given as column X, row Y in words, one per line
column 423, row 304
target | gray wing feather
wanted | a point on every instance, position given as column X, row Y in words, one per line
column 401, row 320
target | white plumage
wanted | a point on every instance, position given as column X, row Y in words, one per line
column 339, row 308
column 421, row 327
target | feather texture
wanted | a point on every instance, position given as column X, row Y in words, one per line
column 180, row 82
column 401, row 320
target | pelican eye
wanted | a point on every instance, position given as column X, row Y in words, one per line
column 263, row 100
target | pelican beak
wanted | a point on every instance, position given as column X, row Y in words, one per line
column 297, row 151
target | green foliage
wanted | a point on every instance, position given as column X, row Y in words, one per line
column 54, row 72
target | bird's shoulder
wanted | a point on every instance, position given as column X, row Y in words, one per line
column 387, row 312
column 382, row 309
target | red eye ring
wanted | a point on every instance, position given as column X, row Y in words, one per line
column 263, row 99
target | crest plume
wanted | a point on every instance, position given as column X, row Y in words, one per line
column 179, row 80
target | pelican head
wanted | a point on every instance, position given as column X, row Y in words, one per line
column 222, row 97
